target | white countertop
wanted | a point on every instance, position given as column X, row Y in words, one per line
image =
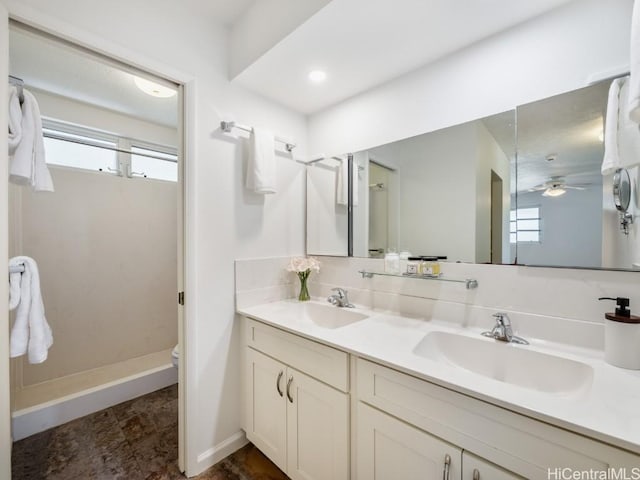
column 608, row 410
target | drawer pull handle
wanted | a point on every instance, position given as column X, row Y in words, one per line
column 476, row 474
column 447, row 464
column 280, row 392
column 289, row 389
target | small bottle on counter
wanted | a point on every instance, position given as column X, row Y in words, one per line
column 413, row 265
column 622, row 336
column 430, row 267
column 404, row 260
column 392, row 262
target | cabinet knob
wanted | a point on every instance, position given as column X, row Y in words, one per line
column 278, row 383
column 476, row 474
column 289, row 389
column 447, row 465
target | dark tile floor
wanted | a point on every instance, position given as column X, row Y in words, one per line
column 134, row 440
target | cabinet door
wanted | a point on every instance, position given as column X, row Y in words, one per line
column 389, row 448
column 318, row 429
column 476, row 468
column 266, row 407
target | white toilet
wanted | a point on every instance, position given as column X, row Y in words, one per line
column 175, row 356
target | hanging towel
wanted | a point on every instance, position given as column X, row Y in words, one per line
column 27, row 165
column 634, row 90
column 30, row 333
column 611, row 160
column 15, row 120
column 342, row 184
column 621, row 135
column 628, row 130
column 261, row 168
column 14, row 289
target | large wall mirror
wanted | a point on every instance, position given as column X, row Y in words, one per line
column 520, row 187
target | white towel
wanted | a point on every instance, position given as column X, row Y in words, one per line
column 611, row 160
column 27, row 165
column 628, row 131
column 14, row 289
column 30, row 333
column 621, row 135
column 15, row 120
column 342, row 185
column 261, row 168
column 634, row 91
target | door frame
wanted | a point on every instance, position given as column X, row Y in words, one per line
column 186, row 216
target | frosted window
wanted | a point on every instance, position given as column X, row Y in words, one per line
column 163, row 168
column 88, row 157
column 524, row 225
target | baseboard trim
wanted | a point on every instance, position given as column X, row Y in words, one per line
column 220, row 451
column 32, row 420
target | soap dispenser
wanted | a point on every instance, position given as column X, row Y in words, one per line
column 622, row 336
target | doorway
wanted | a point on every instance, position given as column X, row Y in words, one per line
column 109, row 240
column 379, row 209
column 496, row 218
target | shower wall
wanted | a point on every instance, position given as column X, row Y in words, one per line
column 106, row 247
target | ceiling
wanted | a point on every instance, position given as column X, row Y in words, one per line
column 358, row 51
column 224, row 12
column 572, row 135
column 365, row 43
column 69, row 72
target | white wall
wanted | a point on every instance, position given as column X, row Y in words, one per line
column 107, row 255
column 252, row 35
column 80, row 113
column 437, row 184
column 571, row 229
column 327, row 221
column 361, row 212
column 224, row 220
column 551, row 54
column 490, row 157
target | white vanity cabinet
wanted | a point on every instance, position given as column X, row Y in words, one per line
column 302, row 398
column 391, row 449
column 476, row 468
column 296, row 403
column 493, row 440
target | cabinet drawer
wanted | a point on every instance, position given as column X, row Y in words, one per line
column 517, row 443
column 327, row 364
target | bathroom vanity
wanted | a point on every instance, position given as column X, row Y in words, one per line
column 335, row 393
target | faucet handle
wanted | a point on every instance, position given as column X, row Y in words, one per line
column 342, row 293
column 502, row 318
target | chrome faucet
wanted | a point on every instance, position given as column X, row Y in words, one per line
column 502, row 330
column 340, row 299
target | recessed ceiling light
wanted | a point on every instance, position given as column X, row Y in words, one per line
column 154, row 89
column 317, row 76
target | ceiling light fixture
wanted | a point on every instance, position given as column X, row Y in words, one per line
column 317, row 76
column 154, row 89
column 555, row 191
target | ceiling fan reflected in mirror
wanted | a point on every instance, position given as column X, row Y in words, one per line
column 557, row 186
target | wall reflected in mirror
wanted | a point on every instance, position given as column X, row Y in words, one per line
column 445, row 193
column 478, row 192
column 327, row 207
column 566, row 207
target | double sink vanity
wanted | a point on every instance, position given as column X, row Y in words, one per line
column 338, row 393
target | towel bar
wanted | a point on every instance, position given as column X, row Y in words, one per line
column 16, row 268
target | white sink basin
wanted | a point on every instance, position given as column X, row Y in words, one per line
column 329, row 316
column 513, row 364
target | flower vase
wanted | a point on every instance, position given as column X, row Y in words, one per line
column 304, row 291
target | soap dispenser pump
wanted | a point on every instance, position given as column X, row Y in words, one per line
column 622, row 336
